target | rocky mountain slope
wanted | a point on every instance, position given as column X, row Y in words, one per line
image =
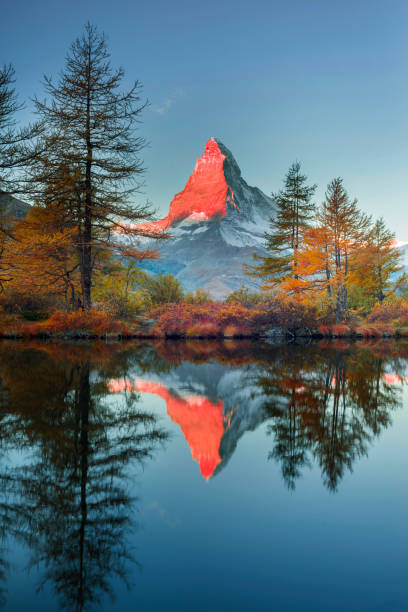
column 12, row 207
column 217, row 222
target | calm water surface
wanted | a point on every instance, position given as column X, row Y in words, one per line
column 204, row 477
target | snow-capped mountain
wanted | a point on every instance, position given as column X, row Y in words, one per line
column 217, row 222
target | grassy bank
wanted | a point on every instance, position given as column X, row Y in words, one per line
column 210, row 320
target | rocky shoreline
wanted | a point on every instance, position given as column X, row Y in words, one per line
column 271, row 334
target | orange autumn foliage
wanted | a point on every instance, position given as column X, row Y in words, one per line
column 210, row 319
column 90, row 322
column 43, row 257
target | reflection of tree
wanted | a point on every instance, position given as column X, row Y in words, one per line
column 5, row 527
column 6, row 520
column 70, row 503
column 325, row 406
column 341, row 436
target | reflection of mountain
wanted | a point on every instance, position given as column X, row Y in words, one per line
column 200, row 420
column 321, row 405
column 211, row 403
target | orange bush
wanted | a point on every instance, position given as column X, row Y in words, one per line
column 367, row 332
column 324, row 330
column 237, row 331
column 177, row 319
column 181, row 319
column 340, row 330
column 388, row 312
column 203, row 330
column 91, row 322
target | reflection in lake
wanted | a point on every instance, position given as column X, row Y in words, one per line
column 327, row 407
column 76, row 428
column 68, row 500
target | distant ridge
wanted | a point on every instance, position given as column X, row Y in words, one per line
column 11, row 206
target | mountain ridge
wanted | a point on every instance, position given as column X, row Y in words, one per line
column 12, row 207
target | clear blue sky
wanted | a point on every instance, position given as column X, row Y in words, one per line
column 324, row 82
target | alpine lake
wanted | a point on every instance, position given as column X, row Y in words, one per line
column 204, row 476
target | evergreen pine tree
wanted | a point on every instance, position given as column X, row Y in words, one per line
column 294, row 211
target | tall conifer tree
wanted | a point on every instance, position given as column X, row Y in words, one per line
column 17, row 145
column 347, row 232
column 379, row 270
column 294, row 211
column 92, row 164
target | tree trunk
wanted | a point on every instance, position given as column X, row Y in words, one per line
column 339, row 301
column 381, row 295
column 86, row 271
column 328, row 274
column 66, row 297
column 345, row 290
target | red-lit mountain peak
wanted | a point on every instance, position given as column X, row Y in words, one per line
column 205, row 195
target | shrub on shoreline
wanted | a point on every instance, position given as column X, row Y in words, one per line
column 81, row 323
column 192, row 319
column 212, row 320
column 390, row 311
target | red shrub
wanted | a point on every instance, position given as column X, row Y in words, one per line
column 367, row 332
column 324, row 330
column 203, row 330
column 387, row 312
column 180, row 319
column 341, row 330
column 237, row 331
column 289, row 315
column 90, row 322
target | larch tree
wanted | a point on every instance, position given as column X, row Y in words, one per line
column 294, row 212
column 314, row 264
column 379, row 270
column 18, row 146
column 91, row 168
column 43, row 259
column 346, row 234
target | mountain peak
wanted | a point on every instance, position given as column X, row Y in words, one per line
column 211, row 150
column 231, row 169
column 206, row 193
column 217, row 222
